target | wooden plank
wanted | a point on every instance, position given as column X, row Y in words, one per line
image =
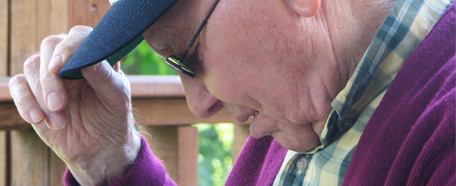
column 3, row 162
column 86, row 12
column 32, row 21
column 177, row 146
column 24, row 28
column 10, row 118
column 4, row 90
column 4, row 41
column 29, row 159
column 154, row 112
column 156, row 86
column 43, row 18
column 188, row 149
column 57, row 169
column 141, row 87
column 163, row 142
column 241, row 133
column 166, row 107
column 59, row 17
column 172, row 111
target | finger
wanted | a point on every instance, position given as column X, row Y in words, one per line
column 55, row 52
column 117, row 67
column 55, row 120
column 52, row 86
column 107, row 82
column 65, row 49
column 25, row 102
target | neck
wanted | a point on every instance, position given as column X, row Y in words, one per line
column 353, row 21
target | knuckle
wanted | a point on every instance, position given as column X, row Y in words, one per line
column 81, row 28
column 17, row 79
column 44, row 77
column 32, row 63
column 52, row 40
column 76, row 36
column 22, row 99
column 68, row 45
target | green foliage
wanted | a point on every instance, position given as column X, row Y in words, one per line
column 215, row 140
column 144, row 61
column 214, row 159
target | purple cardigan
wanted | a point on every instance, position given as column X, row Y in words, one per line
column 410, row 139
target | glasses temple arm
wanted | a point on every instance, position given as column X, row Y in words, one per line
column 199, row 30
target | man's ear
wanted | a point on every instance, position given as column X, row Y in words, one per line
column 305, row 8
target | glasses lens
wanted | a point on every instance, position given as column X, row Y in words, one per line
column 180, row 66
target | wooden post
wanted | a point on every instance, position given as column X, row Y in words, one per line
column 29, row 155
column 86, row 12
column 3, row 165
column 56, row 169
column 241, row 133
column 188, row 150
column 29, row 159
column 4, row 33
column 163, row 142
column 177, row 146
column 172, row 111
column 4, row 44
column 26, row 30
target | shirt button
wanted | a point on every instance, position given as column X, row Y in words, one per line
column 301, row 163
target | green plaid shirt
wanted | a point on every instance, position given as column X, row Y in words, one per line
column 403, row 30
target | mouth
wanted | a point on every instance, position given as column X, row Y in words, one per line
column 254, row 114
column 247, row 117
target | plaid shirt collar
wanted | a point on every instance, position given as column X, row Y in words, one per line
column 392, row 45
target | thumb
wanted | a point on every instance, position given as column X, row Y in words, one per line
column 106, row 82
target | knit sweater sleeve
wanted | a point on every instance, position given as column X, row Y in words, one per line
column 146, row 170
column 410, row 139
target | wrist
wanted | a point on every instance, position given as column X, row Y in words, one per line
column 107, row 166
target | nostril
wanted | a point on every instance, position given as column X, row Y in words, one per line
column 215, row 109
column 208, row 110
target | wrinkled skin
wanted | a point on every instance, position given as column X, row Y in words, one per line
column 283, row 61
column 95, row 122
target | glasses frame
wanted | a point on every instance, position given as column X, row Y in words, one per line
column 179, row 64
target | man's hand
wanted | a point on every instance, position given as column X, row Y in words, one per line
column 88, row 123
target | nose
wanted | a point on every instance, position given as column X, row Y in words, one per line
column 200, row 101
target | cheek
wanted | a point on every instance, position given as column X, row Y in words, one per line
column 223, row 85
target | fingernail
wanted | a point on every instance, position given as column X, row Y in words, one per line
column 57, row 121
column 47, row 123
column 55, row 101
column 55, row 61
column 36, row 115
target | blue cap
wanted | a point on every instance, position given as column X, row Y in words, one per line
column 116, row 35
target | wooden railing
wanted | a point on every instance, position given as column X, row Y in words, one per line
column 159, row 100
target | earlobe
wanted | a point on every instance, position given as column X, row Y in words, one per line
column 306, row 8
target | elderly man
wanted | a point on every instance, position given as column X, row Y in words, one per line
column 320, row 78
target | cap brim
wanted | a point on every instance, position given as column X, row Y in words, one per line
column 116, row 35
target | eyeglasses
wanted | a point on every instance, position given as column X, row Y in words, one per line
column 179, row 64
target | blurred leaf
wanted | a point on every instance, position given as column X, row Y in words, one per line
column 215, row 162
column 145, row 61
